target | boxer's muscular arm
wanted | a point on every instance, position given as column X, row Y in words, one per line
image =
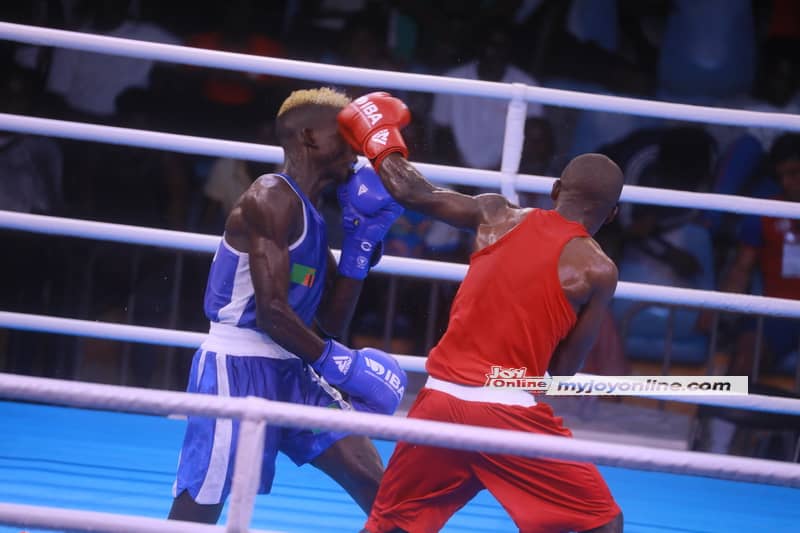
column 338, row 302
column 414, row 192
column 589, row 279
column 268, row 213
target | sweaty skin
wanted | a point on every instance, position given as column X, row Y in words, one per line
column 588, row 277
column 586, row 193
column 263, row 223
column 269, row 217
column 488, row 234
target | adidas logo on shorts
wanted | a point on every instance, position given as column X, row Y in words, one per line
column 362, row 189
column 342, row 363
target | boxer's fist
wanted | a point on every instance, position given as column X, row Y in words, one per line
column 368, row 211
column 363, row 193
column 371, row 125
column 372, row 378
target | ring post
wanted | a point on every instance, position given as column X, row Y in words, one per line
column 246, row 474
column 513, row 142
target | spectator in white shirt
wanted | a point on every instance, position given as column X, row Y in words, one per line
column 475, row 125
column 90, row 83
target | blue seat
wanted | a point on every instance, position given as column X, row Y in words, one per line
column 646, row 331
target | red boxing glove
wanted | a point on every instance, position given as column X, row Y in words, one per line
column 371, row 125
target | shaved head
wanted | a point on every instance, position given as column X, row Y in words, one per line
column 594, row 177
column 591, row 184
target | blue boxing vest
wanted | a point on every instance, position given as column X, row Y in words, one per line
column 230, row 297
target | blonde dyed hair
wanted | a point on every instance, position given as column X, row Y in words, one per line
column 322, row 96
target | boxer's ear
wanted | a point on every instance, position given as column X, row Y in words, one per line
column 556, row 190
column 612, row 215
column 309, row 138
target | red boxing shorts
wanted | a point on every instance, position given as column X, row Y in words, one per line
column 423, row 486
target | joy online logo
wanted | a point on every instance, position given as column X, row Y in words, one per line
column 516, row 378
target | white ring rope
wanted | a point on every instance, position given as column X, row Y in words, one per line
column 106, row 231
column 255, row 411
column 383, row 78
column 437, row 173
column 155, row 140
column 410, row 363
column 455, row 436
column 403, row 266
column 101, row 330
column 31, row 516
column 245, row 481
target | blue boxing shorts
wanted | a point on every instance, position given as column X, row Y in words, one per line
column 235, row 362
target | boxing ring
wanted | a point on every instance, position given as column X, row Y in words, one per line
column 85, row 468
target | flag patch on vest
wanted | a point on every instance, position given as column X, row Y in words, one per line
column 303, row 275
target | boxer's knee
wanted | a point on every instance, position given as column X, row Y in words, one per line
column 355, row 464
column 186, row 509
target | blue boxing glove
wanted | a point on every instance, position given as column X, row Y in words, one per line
column 368, row 211
column 372, row 378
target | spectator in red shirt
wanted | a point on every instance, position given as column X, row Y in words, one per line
column 772, row 245
column 233, row 102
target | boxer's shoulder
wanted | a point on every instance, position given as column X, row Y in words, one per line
column 270, row 202
column 498, row 217
column 497, row 209
column 585, row 270
column 274, row 185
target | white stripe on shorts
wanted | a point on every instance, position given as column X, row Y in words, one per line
column 211, row 490
column 201, row 364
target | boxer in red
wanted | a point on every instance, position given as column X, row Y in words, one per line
column 532, row 301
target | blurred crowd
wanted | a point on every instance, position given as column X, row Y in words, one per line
column 726, row 53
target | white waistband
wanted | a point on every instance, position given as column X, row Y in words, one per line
column 482, row 394
column 230, row 340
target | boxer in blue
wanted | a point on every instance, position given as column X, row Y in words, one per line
column 277, row 301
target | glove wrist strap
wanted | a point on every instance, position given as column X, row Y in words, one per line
column 355, row 262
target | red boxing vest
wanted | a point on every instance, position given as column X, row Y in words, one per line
column 773, row 235
column 510, row 310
